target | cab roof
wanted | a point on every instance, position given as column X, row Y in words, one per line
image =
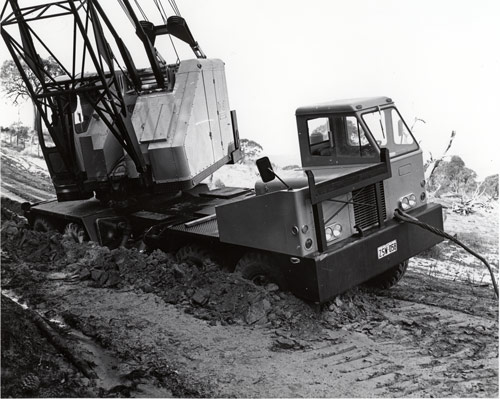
column 350, row 105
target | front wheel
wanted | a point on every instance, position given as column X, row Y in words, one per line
column 76, row 232
column 259, row 268
column 390, row 277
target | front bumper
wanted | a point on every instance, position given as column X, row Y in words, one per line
column 320, row 277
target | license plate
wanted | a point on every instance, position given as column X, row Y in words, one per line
column 387, row 249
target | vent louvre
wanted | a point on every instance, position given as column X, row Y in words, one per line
column 366, row 216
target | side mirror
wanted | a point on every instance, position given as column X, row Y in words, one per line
column 265, row 169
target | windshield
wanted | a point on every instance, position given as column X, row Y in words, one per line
column 390, row 131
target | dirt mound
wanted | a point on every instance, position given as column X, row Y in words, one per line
column 206, row 292
column 210, row 293
column 24, row 244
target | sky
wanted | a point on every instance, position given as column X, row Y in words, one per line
column 438, row 60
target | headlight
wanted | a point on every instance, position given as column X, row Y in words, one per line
column 332, row 232
column 329, row 234
column 412, row 200
column 407, row 202
column 337, row 230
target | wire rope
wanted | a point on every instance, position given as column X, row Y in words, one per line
column 141, row 11
column 161, row 11
column 163, row 14
column 126, row 12
column 404, row 217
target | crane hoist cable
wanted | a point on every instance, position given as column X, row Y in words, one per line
column 141, row 10
column 404, row 217
column 163, row 14
column 126, row 11
column 161, row 10
column 173, row 4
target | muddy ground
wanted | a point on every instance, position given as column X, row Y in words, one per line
column 147, row 326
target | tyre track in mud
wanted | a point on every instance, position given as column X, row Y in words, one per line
column 402, row 349
column 24, row 179
column 451, row 353
column 419, row 288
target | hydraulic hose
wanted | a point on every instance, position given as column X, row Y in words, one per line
column 404, row 217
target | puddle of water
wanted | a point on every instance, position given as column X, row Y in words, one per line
column 105, row 365
column 14, row 297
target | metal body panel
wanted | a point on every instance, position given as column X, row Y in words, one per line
column 344, row 216
column 267, row 222
column 199, row 126
column 298, row 178
column 407, row 178
column 342, row 178
column 80, row 211
column 172, row 127
column 320, row 277
column 350, row 105
column 208, row 228
column 100, row 153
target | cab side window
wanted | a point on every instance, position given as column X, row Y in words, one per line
column 320, row 136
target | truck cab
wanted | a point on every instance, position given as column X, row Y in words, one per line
column 331, row 225
column 350, row 134
column 360, row 162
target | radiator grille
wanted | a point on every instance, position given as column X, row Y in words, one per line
column 366, row 216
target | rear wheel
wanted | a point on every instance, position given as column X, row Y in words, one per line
column 43, row 225
column 260, row 269
column 194, row 254
column 390, row 277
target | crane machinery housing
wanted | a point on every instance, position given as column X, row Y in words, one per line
column 128, row 149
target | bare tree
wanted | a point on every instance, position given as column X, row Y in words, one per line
column 13, row 85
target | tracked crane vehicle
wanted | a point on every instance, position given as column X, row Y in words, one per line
column 128, row 148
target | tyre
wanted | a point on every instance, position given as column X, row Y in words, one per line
column 194, row 254
column 77, row 232
column 43, row 225
column 260, row 269
column 390, row 277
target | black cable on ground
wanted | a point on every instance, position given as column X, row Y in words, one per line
column 404, row 217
